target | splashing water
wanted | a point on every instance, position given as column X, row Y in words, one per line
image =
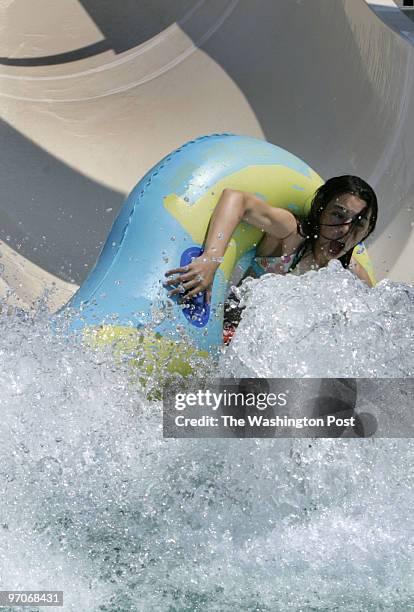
column 96, row 503
column 323, row 324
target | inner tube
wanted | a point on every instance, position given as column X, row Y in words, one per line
column 162, row 225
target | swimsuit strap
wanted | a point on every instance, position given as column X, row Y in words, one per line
column 299, row 254
column 301, row 250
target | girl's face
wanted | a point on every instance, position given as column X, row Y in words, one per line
column 342, row 225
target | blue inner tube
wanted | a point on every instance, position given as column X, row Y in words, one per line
column 162, row 225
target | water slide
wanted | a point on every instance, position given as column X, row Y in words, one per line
column 93, row 96
column 94, row 502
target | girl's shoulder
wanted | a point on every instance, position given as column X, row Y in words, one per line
column 359, row 271
column 296, row 239
column 270, row 246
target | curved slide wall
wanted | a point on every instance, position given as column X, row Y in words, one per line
column 91, row 98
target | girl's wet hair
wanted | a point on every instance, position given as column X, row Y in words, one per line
column 332, row 189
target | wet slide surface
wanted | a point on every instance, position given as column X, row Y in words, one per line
column 92, row 97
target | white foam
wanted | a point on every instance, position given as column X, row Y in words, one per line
column 95, row 502
column 323, row 324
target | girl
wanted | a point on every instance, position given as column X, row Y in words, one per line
column 343, row 213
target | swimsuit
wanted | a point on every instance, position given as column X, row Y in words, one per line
column 265, row 264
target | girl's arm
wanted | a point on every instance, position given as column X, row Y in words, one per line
column 233, row 207
column 359, row 271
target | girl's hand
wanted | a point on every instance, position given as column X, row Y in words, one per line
column 196, row 277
